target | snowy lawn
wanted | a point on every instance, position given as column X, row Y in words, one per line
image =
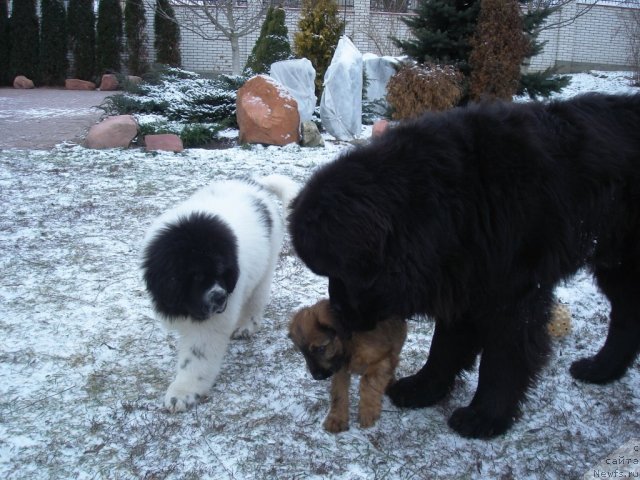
column 84, row 366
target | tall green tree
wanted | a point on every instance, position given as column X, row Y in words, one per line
column 53, row 42
column 272, row 44
column 82, row 38
column 4, row 43
column 167, row 32
column 545, row 82
column 442, row 30
column 135, row 23
column 25, row 40
column 320, row 29
column 109, row 36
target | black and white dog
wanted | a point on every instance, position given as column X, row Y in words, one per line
column 208, row 265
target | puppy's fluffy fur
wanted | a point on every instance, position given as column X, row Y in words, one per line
column 207, row 266
column 472, row 216
column 374, row 355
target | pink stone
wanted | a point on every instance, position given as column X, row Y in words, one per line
column 163, row 141
column 75, row 84
column 113, row 132
column 379, row 127
column 22, row 82
column 267, row 113
column 109, row 82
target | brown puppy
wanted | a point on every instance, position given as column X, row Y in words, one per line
column 373, row 354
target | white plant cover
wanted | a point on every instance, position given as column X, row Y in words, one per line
column 378, row 71
column 298, row 77
column 341, row 102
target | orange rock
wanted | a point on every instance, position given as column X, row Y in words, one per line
column 379, row 127
column 75, row 84
column 22, row 82
column 113, row 132
column 163, row 141
column 109, row 82
column 267, row 113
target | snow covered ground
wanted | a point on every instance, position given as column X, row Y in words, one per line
column 84, row 366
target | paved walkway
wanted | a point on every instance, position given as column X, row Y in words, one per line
column 41, row 118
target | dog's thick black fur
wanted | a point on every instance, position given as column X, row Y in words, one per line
column 472, row 217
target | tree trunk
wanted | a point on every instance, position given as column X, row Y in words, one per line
column 235, row 55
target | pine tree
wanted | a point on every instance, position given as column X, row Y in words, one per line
column 25, row 40
column 320, row 28
column 442, row 30
column 108, row 36
column 167, row 42
column 498, row 49
column 542, row 83
column 272, row 44
column 82, row 38
column 4, row 43
column 135, row 23
column 53, row 42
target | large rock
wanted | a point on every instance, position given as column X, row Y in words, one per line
column 113, row 132
column 109, row 82
column 298, row 77
column 267, row 113
column 76, row 84
column 167, row 142
column 22, row 82
column 341, row 102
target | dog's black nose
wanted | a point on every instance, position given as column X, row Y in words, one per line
column 321, row 374
column 215, row 299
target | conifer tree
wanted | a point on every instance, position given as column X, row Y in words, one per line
column 109, row 36
column 320, row 28
column 82, row 38
column 135, row 23
column 542, row 83
column 272, row 44
column 25, row 40
column 4, row 43
column 53, row 42
column 442, row 30
column 167, row 32
column 498, row 49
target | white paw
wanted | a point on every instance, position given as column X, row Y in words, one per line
column 180, row 399
column 246, row 331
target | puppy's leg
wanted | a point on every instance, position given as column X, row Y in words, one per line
column 338, row 418
column 622, row 286
column 454, row 347
column 253, row 310
column 201, row 348
column 515, row 348
column 372, row 386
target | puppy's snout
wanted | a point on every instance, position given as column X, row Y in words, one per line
column 215, row 299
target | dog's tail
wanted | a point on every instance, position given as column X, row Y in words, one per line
column 284, row 187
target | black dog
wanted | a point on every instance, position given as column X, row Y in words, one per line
column 472, row 217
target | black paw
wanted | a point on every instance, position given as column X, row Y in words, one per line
column 417, row 392
column 592, row 371
column 473, row 423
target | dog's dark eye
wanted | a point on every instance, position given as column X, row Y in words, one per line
column 320, row 349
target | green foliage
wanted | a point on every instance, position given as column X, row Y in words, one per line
column 167, row 32
column 82, row 38
column 135, row 24
column 53, row 43
column 320, row 28
column 4, row 44
column 272, row 44
column 442, row 30
column 546, row 82
column 109, row 37
column 25, row 40
column 498, row 48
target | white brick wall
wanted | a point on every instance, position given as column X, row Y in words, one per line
column 594, row 40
